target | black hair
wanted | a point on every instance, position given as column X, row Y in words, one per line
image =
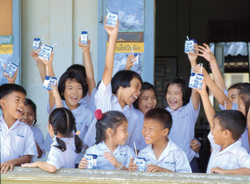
column 245, row 97
column 110, row 119
column 72, row 75
column 32, row 105
column 63, row 121
column 232, row 120
column 6, row 89
column 145, row 86
column 123, row 78
column 239, row 85
column 82, row 70
column 186, row 92
column 160, row 115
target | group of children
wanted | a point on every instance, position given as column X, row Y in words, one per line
column 119, row 114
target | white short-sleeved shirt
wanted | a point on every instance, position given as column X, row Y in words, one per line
column 106, row 101
column 89, row 100
column 172, row 158
column 122, row 153
column 137, row 136
column 38, row 135
column 232, row 157
column 83, row 117
column 183, row 127
column 66, row 159
column 16, row 141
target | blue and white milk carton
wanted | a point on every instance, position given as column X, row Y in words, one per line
column 195, row 80
column 10, row 69
column 136, row 62
column 112, row 19
column 141, row 163
column 48, row 82
column 45, row 52
column 92, row 161
column 84, row 38
column 189, row 45
column 36, row 44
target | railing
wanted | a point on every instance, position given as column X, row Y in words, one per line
column 34, row 175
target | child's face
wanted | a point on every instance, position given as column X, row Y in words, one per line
column 147, row 100
column 217, row 132
column 73, row 93
column 174, row 96
column 12, row 105
column 121, row 134
column 241, row 106
column 233, row 95
column 28, row 115
column 130, row 94
column 153, row 131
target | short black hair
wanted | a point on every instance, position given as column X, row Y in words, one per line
column 239, row 85
column 123, row 78
column 245, row 97
column 232, row 120
column 144, row 86
column 160, row 115
column 72, row 75
column 6, row 89
column 186, row 91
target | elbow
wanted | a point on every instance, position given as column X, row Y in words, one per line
column 52, row 169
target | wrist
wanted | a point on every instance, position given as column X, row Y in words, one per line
column 118, row 166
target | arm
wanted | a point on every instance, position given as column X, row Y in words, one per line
column 56, row 96
column 195, row 145
column 39, row 151
column 111, row 158
column 9, row 165
column 110, row 54
column 42, row 165
column 88, row 65
column 208, row 55
column 40, row 65
column 155, row 168
column 130, row 62
column 242, row 171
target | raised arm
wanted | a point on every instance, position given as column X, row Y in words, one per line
column 110, row 54
column 88, row 65
column 40, row 65
column 208, row 55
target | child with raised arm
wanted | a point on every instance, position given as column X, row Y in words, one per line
column 17, row 140
column 162, row 154
column 111, row 135
column 226, row 128
column 66, row 144
column 117, row 93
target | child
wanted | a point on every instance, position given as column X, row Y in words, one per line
column 162, row 154
column 66, row 145
column 226, row 128
column 17, row 140
column 111, row 135
column 29, row 117
column 118, row 94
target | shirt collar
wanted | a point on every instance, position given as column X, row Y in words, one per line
column 233, row 148
column 104, row 147
column 4, row 125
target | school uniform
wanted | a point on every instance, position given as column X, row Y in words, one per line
column 89, row 101
column 172, row 158
column 38, row 135
column 232, row 157
column 137, row 136
column 106, row 101
column 66, row 159
column 183, row 127
column 16, row 141
column 122, row 153
column 83, row 118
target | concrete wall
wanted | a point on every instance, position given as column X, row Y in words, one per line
column 60, row 21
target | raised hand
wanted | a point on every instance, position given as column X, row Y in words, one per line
column 206, row 52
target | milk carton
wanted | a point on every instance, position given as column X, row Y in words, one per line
column 48, row 82
column 92, row 161
column 111, row 19
column 195, row 80
column 45, row 52
column 36, row 44
column 136, row 62
column 189, row 46
column 84, row 38
column 10, row 69
column 141, row 163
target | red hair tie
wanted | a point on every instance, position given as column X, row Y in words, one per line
column 98, row 114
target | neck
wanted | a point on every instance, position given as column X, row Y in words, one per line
column 59, row 135
column 159, row 147
column 226, row 144
column 110, row 144
column 9, row 120
column 120, row 100
column 72, row 107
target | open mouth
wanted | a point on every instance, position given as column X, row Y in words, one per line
column 133, row 98
column 74, row 98
column 19, row 111
column 172, row 102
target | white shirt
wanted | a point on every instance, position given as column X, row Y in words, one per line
column 38, row 135
column 66, row 159
column 17, row 141
column 84, row 118
column 172, row 158
column 106, row 101
column 122, row 153
column 232, row 157
column 137, row 136
column 89, row 100
column 183, row 126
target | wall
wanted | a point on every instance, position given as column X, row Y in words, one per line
column 60, row 21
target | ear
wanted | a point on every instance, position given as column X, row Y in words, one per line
column 2, row 103
column 165, row 131
column 109, row 132
column 227, row 133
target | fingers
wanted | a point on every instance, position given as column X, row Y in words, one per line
column 83, row 164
